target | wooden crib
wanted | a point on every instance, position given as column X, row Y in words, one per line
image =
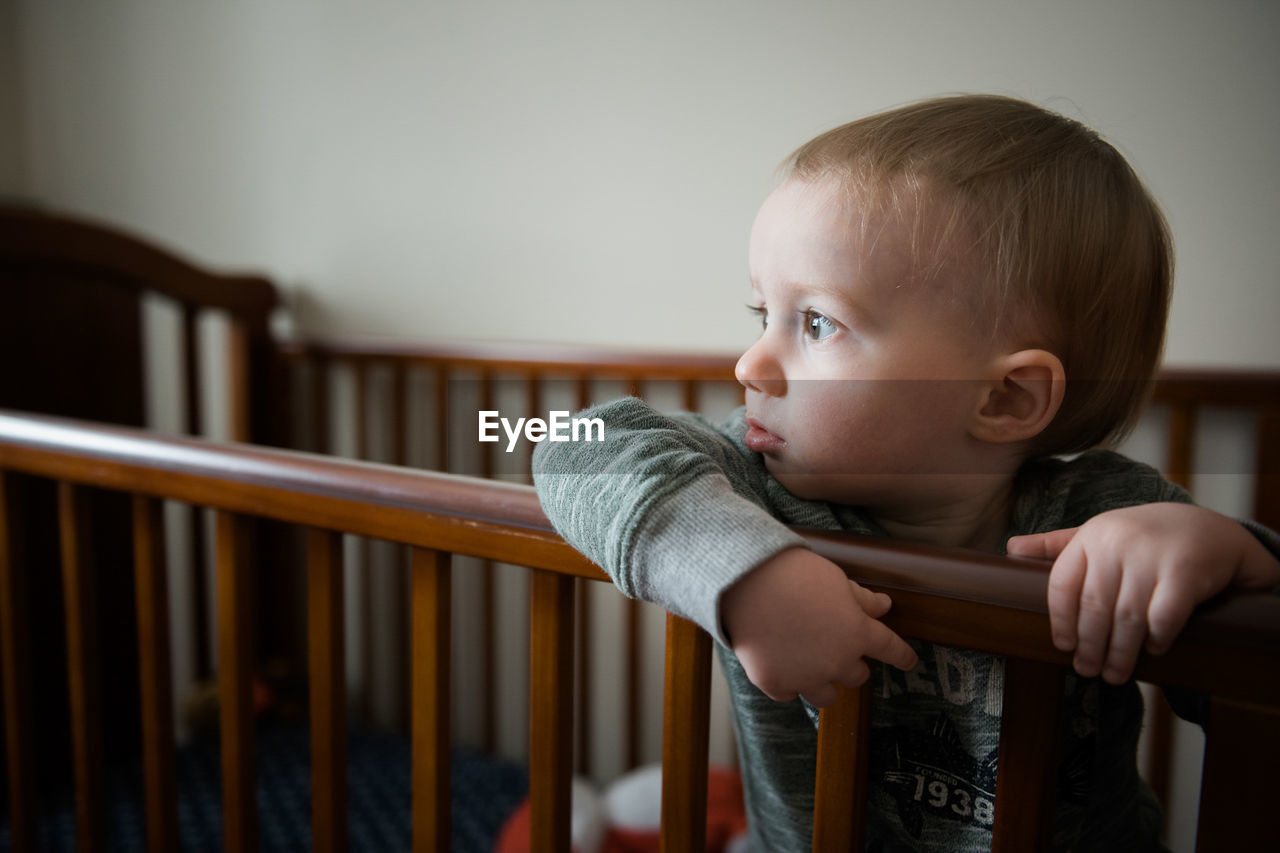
column 953, row 597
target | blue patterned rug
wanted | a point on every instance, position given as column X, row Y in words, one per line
column 485, row 791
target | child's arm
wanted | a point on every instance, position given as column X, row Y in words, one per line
column 664, row 504
column 1129, row 578
column 675, row 512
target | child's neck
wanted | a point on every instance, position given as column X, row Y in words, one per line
column 978, row 519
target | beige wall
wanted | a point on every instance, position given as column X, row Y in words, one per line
column 588, row 171
column 12, row 164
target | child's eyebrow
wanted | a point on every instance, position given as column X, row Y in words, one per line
column 836, row 292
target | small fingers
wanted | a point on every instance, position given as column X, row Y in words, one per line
column 1128, row 628
column 884, row 645
column 1093, row 627
column 1066, row 580
column 874, row 604
column 1043, row 545
column 1169, row 610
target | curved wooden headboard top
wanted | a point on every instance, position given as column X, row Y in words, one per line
column 54, row 242
column 71, row 305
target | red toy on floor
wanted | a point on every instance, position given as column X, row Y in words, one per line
column 624, row 817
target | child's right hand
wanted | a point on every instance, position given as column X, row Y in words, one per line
column 799, row 627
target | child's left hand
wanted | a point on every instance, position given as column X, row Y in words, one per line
column 1130, row 577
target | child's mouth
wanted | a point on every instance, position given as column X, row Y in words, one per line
column 760, row 440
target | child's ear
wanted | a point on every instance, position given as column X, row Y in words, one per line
column 1021, row 398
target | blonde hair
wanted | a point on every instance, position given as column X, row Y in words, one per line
column 1071, row 253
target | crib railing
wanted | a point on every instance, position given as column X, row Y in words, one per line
column 435, row 514
column 404, row 390
column 696, row 382
column 1229, row 650
column 997, row 605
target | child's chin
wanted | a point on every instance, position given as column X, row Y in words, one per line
column 804, row 486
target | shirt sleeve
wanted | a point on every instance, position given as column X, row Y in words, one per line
column 668, row 505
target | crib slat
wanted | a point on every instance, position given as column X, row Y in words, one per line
column 1237, row 787
column 82, row 665
column 1026, row 779
column 550, row 710
column 328, row 691
column 689, row 394
column 191, row 359
column 1178, row 454
column 319, row 378
column 235, row 685
column 488, row 600
column 199, row 548
column 154, row 674
column 430, row 713
column 1266, row 486
column 586, row 720
column 402, row 559
column 840, row 805
column 533, row 393
column 199, row 566
column 486, row 383
column 631, row 630
column 398, row 419
column 686, row 736
column 440, row 383
column 238, row 361
column 15, row 660
column 583, row 684
column 368, row 620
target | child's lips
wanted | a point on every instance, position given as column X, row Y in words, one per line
column 760, row 440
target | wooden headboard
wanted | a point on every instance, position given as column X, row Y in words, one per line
column 73, row 342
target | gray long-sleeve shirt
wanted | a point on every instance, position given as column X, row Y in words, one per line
column 676, row 510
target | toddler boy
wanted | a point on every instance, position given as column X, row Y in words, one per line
column 954, row 296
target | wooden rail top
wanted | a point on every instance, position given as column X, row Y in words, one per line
column 370, row 499
column 965, row 598
column 1229, row 387
column 368, row 482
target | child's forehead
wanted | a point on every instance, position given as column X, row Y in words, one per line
column 826, row 233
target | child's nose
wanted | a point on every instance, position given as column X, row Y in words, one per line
column 759, row 370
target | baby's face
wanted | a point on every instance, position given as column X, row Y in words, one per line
column 861, row 386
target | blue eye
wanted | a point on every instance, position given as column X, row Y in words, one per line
column 817, row 326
